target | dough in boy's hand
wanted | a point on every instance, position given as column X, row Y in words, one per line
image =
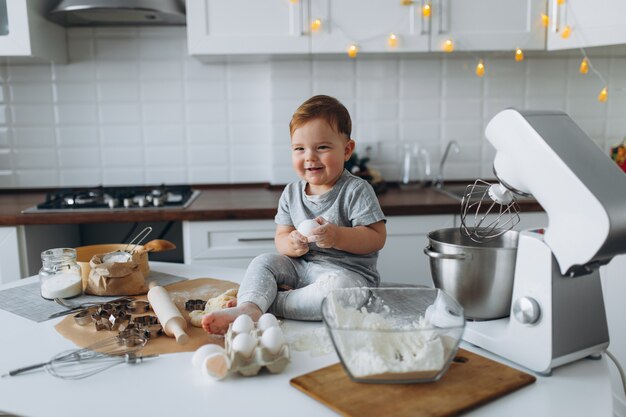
column 216, row 303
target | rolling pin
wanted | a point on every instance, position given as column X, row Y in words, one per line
column 174, row 324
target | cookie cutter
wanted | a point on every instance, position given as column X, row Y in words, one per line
column 138, row 307
column 149, row 325
column 191, row 305
column 131, row 338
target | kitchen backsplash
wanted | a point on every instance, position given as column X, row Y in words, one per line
column 133, row 108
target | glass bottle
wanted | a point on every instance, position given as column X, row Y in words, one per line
column 60, row 275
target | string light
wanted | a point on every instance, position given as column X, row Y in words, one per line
column 560, row 2
column 406, row 2
column 448, row 46
column 480, row 68
column 316, row 24
column 353, row 50
column 545, row 20
column 566, row 32
column 426, row 10
column 584, row 66
column 392, row 40
column 519, row 55
column 603, row 96
column 293, row 1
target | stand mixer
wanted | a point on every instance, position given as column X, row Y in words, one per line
column 557, row 312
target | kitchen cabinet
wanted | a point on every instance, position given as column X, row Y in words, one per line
column 225, row 27
column 9, row 255
column 402, row 260
column 220, row 27
column 488, row 25
column 26, row 35
column 227, row 243
column 593, row 23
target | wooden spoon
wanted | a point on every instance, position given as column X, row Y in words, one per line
column 159, row 245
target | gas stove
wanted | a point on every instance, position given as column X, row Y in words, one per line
column 116, row 198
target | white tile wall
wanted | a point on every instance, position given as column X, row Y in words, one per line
column 133, row 108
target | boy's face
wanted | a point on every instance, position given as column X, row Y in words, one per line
column 318, row 154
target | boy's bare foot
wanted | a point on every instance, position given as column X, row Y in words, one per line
column 216, row 322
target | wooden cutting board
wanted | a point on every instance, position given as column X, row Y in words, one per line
column 471, row 380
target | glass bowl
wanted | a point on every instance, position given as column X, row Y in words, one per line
column 394, row 335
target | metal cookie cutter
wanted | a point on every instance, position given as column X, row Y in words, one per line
column 149, row 325
column 138, row 307
column 131, row 337
column 191, row 305
column 84, row 317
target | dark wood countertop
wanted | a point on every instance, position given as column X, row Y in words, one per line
column 222, row 203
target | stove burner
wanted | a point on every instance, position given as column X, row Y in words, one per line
column 117, row 198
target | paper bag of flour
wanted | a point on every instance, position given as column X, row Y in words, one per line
column 116, row 278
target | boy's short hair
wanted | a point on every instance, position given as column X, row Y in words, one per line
column 323, row 107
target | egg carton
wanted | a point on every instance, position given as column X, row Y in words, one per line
column 260, row 357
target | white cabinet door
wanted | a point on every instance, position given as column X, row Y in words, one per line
column 402, row 260
column 226, row 27
column 488, row 25
column 227, row 243
column 27, row 34
column 368, row 25
column 593, row 23
column 9, row 255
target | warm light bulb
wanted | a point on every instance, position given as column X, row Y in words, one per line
column 293, row 1
column 406, row 2
column 560, row 2
column 566, row 31
column 480, row 68
column 392, row 40
column 426, row 10
column 545, row 20
column 353, row 50
column 584, row 66
column 448, row 46
column 603, row 96
column 316, row 25
column 519, row 55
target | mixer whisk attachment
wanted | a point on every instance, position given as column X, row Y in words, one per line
column 488, row 211
column 81, row 363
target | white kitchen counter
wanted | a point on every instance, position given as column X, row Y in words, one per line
column 169, row 385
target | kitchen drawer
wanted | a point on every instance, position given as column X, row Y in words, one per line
column 227, row 243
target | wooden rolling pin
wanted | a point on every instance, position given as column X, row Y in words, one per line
column 174, row 324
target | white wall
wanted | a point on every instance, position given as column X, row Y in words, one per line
column 133, row 108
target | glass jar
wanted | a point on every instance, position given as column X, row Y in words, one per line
column 60, row 276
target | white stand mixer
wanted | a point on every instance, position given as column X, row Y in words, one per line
column 557, row 312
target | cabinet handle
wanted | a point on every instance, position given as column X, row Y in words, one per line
column 255, row 239
column 444, row 10
column 426, row 21
column 295, row 19
column 439, row 255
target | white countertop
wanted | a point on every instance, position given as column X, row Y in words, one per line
column 170, row 385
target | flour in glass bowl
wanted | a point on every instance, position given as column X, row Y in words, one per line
column 386, row 347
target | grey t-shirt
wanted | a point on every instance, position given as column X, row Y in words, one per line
column 351, row 202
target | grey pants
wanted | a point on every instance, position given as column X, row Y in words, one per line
column 292, row 287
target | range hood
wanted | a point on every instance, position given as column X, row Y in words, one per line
column 118, row 12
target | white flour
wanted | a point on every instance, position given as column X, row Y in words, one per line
column 386, row 346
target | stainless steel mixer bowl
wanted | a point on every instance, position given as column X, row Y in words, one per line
column 478, row 275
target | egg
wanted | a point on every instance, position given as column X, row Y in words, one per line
column 273, row 340
column 266, row 321
column 244, row 343
column 216, row 365
column 243, row 324
column 306, row 227
column 203, row 351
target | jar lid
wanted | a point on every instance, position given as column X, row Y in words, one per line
column 59, row 254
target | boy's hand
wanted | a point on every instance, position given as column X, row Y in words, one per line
column 298, row 243
column 326, row 235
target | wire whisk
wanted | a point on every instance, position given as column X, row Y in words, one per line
column 85, row 362
column 488, row 211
